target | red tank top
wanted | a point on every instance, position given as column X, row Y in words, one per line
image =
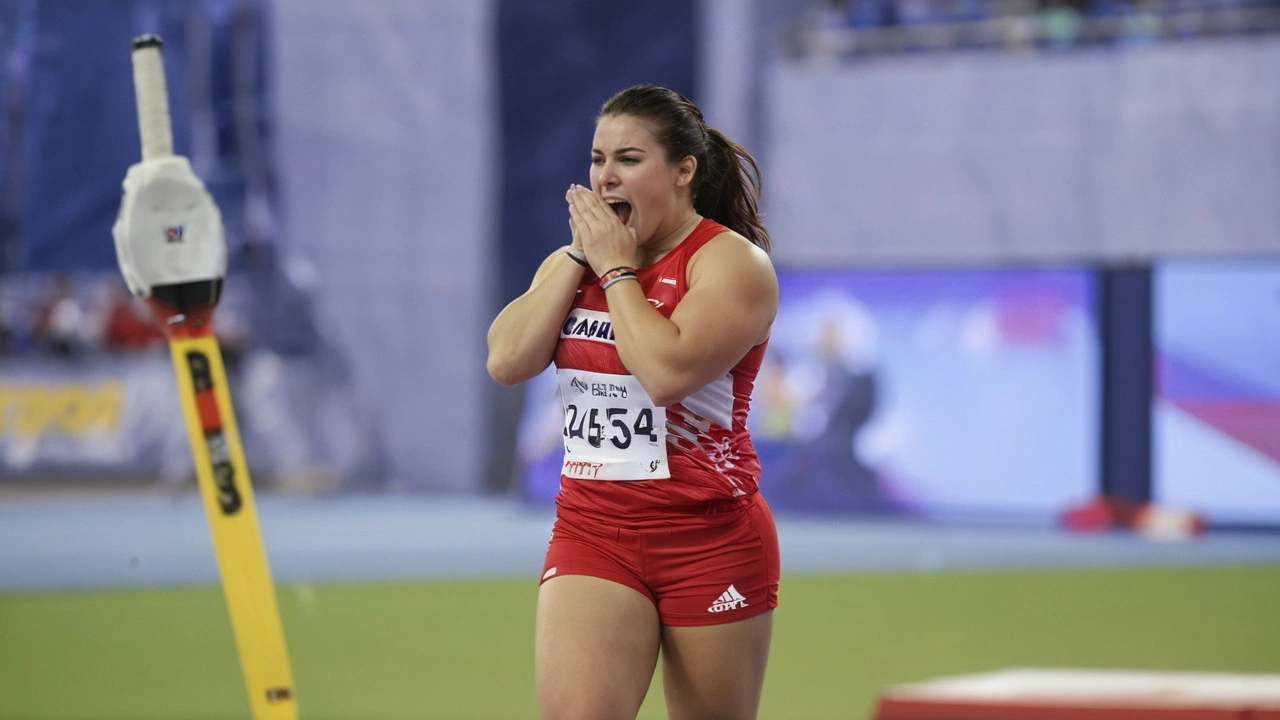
column 624, row 457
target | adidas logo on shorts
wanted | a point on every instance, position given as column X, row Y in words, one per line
column 730, row 599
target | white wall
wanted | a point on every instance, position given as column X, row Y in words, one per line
column 387, row 149
column 1107, row 154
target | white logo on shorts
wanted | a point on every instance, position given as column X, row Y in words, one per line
column 730, row 599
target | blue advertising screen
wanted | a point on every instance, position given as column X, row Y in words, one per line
column 920, row 392
column 1216, row 414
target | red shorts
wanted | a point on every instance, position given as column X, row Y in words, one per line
column 700, row 570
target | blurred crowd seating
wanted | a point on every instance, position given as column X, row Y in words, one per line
column 71, row 316
column 847, row 29
column 88, row 314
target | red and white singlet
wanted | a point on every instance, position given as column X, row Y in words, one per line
column 626, row 458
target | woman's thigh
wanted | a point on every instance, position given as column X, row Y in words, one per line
column 596, row 648
column 716, row 672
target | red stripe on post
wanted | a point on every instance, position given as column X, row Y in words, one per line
column 207, row 408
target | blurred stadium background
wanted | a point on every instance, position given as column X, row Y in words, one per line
column 1030, row 266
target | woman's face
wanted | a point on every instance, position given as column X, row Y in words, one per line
column 630, row 172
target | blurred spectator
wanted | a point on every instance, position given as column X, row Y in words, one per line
column 1186, row 18
column 823, row 30
column 1141, row 25
column 776, row 411
column 871, row 13
column 845, row 401
column 820, row 400
column 915, row 12
column 1060, row 22
column 844, row 29
column 127, row 324
column 61, row 324
column 1016, row 22
column 232, row 330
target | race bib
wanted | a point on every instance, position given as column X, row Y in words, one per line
column 612, row 431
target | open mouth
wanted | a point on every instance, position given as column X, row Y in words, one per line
column 621, row 209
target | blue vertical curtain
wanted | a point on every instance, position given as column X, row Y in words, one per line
column 70, row 120
column 79, row 131
column 559, row 61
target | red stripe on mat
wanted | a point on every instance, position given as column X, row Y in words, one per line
column 892, row 709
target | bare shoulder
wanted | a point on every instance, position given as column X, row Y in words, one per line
column 731, row 271
column 732, row 254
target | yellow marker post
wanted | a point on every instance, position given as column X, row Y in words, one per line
column 227, row 493
column 172, row 251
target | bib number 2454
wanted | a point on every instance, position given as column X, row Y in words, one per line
column 616, row 425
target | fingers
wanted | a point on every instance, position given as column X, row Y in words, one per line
column 586, row 222
column 575, row 217
column 575, row 214
column 598, row 231
column 573, row 232
column 587, row 206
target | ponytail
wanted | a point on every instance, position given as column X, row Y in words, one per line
column 727, row 190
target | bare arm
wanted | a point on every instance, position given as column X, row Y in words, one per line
column 522, row 339
column 729, row 308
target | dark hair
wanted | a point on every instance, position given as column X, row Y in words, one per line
column 726, row 185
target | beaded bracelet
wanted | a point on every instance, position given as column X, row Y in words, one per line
column 608, row 274
column 617, row 274
column 617, row 279
column 578, row 256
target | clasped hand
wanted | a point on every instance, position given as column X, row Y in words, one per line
column 598, row 232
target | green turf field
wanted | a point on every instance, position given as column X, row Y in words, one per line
column 464, row 649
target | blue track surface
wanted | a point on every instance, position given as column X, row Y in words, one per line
column 151, row 540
